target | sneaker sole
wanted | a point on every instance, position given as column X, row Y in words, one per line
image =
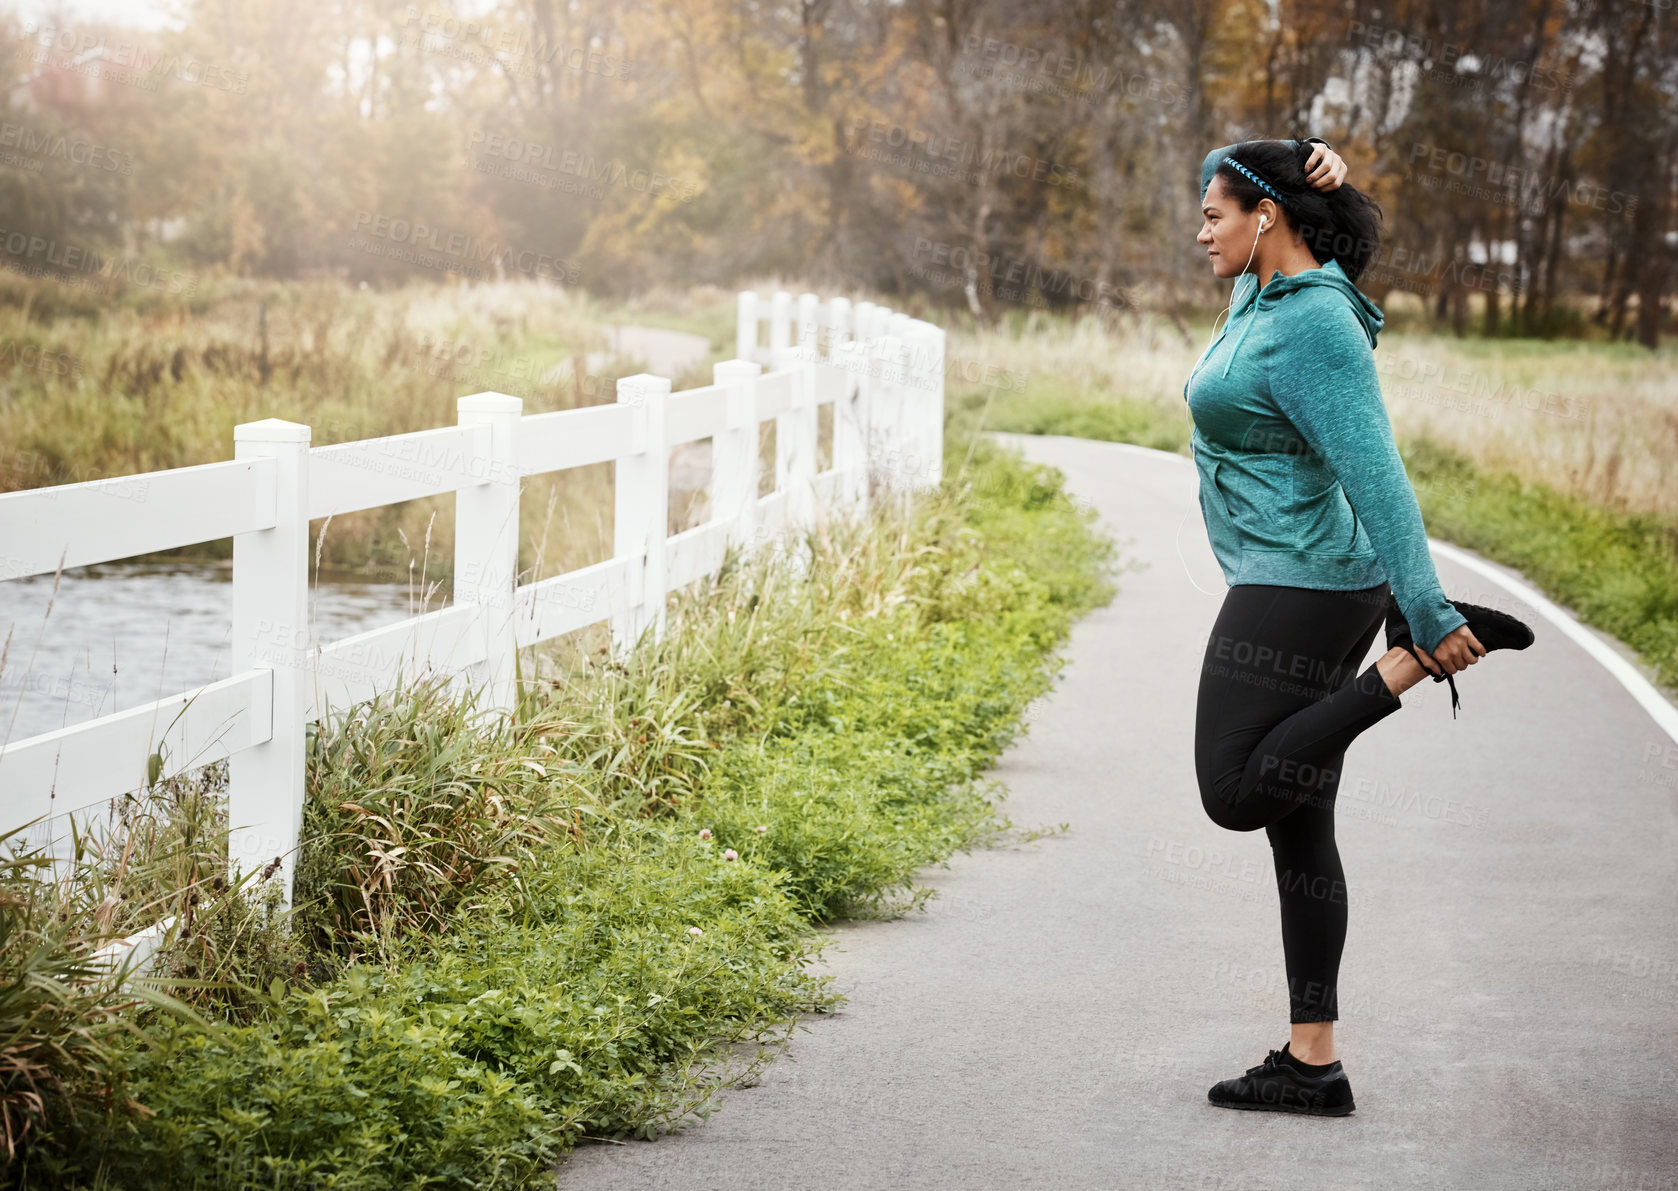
column 1343, row 1110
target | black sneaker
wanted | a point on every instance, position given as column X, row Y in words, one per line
column 1276, row 1085
column 1494, row 629
column 1491, row 628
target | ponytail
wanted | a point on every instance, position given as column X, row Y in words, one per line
column 1342, row 225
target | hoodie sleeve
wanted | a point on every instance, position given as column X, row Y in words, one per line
column 1210, row 165
column 1325, row 383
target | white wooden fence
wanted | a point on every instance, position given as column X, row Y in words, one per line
column 881, row 371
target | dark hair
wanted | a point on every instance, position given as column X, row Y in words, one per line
column 1343, row 224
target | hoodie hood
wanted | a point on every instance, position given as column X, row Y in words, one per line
column 1249, row 302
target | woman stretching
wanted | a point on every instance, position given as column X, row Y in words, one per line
column 1316, row 528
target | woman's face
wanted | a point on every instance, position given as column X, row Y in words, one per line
column 1228, row 232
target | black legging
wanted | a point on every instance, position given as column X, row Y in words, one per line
column 1278, row 705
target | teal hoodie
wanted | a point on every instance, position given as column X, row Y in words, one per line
column 1301, row 483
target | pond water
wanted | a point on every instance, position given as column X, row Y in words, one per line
column 119, row 635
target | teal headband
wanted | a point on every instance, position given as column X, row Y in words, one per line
column 1253, row 178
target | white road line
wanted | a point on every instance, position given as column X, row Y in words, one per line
column 1637, row 686
column 1640, row 688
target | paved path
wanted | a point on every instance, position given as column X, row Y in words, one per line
column 667, row 352
column 1509, row 995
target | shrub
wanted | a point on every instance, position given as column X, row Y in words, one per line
column 566, row 926
column 62, row 1008
column 413, row 805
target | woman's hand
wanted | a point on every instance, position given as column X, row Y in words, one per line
column 1456, row 653
column 1325, row 169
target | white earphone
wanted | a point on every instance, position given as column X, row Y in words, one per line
column 1262, row 222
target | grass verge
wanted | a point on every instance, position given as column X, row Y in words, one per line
column 1615, row 570
column 514, row 935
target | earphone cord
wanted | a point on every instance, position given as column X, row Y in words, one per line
column 1190, row 417
column 1238, row 277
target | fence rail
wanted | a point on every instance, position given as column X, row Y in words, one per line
column 881, row 371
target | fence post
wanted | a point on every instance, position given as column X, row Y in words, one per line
column 780, row 326
column 850, row 425
column 271, row 632
column 486, row 546
column 745, row 325
column 850, row 441
column 887, row 448
column 863, row 348
column 921, row 386
column 862, row 318
column 795, row 448
column 809, row 329
column 838, row 325
column 906, row 435
column 641, row 510
column 802, row 422
column 734, row 452
column 933, row 408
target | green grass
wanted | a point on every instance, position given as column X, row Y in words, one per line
column 581, row 923
column 1615, row 570
column 1119, row 420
